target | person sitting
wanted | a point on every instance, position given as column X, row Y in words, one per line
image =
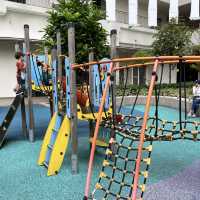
column 196, row 99
column 21, row 71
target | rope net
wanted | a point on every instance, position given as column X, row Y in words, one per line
column 125, row 168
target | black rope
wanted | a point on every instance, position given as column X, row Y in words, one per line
column 185, row 94
column 124, row 90
column 180, row 89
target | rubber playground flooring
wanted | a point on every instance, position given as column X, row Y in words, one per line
column 174, row 172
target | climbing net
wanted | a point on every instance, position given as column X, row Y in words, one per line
column 125, row 168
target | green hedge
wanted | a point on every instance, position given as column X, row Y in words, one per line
column 166, row 89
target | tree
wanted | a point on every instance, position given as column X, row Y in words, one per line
column 89, row 31
column 173, row 39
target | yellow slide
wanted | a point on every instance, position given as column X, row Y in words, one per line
column 55, row 144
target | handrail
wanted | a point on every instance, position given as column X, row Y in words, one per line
column 160, row 58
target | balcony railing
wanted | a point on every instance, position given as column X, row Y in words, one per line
column 39, row 3
column 122, row 16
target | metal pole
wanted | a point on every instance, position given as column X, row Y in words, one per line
column 91, row 90
column 113, row 54
column 73, row 102
column 30, row 103
column 91, row 76
column 58, row 37
column 50, row 96
column 54, row 81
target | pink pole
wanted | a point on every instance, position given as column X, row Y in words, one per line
column 142, row 134
column 96, row 131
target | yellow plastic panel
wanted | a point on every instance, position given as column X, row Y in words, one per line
column 59, row 148
column 100, row 143
column 46, row 140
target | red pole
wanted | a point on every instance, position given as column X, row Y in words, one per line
column 142, row 134
column 96, row 131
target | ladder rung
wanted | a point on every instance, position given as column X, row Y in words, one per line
column 46, row 164
column 54, row 130
column 50, row 146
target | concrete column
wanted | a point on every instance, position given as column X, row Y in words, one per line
column 152, row 13
column 133, row 12
column 111, row 10
column 173, row 10
column 194, row 14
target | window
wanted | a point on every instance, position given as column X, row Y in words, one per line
column 18, row 1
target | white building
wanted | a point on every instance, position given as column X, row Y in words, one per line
column 13, row 15
column 133, row 30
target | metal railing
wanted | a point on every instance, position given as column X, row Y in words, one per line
column 39, row 3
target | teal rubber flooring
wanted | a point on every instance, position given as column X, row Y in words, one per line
column 22, row 179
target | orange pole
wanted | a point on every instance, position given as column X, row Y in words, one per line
column 161, row 58
column 151, row 63
column 96, row 131
column 142, row 134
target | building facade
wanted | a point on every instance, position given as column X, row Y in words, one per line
column 131, row 21
column 13, row 15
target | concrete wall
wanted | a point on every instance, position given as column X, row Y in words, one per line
column 12, row 23
column 171, row 102
column 7, row 69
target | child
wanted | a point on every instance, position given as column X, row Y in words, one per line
column 46, row 72
column 196, row 99
column 21, row 71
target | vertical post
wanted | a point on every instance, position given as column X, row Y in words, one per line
column 58, row 37
column 54, row 80
column 113, row 54
column 91, row 90
column 73, row 102
column 23, row 117
column 30, row 103
column 138, row 75
column 59, row 55
column 46, row 55
column 50, row 96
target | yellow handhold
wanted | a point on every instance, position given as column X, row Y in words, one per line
column 102, row 175
column 142, row 187
column 145, row 174
column 108, row 152
column 149, row 148
column 105, row 163
column 46, row 140
column 98, row 186
column 100, row 143
column 147, row 160
column 59, row 149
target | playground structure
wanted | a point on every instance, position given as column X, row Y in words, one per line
column 128, row 155
column 131, row 144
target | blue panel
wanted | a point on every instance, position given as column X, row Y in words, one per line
column 54, row 81
column 68, row 95
column 36, row 72
column 97, row 96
